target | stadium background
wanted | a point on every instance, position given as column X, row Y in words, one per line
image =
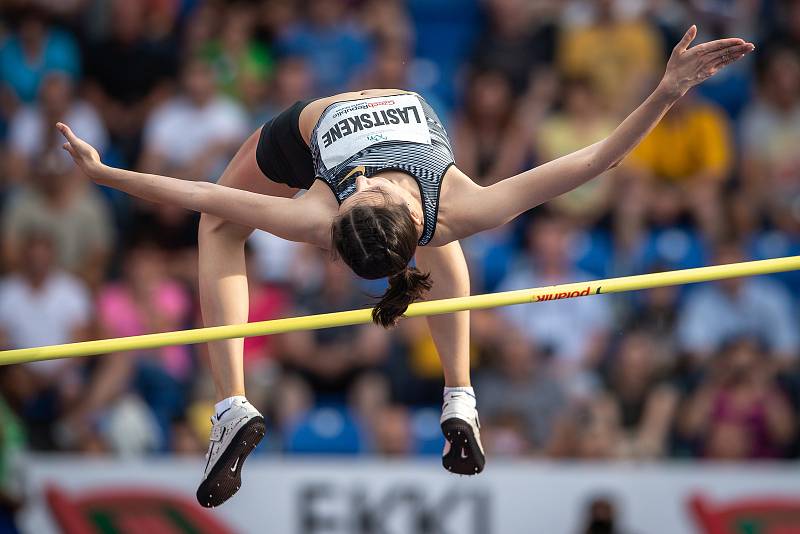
column 691, row 374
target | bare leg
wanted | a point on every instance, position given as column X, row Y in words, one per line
column 463, row 452
column 223, row 279
column 224, row 300
column 450, row 332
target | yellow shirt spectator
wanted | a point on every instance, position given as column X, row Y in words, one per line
column 694, row 138
column 619, row 58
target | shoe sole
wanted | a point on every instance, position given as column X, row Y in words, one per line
column 223, row 482
column 465, row 456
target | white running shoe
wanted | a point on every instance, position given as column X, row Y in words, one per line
column 463, row 451
column 234, row 435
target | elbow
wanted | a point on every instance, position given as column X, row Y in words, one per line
column 597, row 165
column 603, row 164
column 603, row 158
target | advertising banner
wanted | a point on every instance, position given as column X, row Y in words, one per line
column 366, row 496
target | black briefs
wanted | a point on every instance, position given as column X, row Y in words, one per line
column 282, row 154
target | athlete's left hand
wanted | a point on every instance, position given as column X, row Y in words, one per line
column 84, row 154
column 688, row 67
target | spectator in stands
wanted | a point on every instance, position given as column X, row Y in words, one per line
column 332, row 361
column 33, row 51
column 739, row 411
column 489, row 140
column 41, row 304
column 784, row 31
column 579, row 122
column 587, row 430
column 601, row 517
column 645, row 402
column 520, row 38
column 274, row 17
column 200, row 27
column 145, row 301
column 333, row 46
column 61, row 202
column 692, row 150
column 771, row 134
column 781, row 238
column 236, row 57
column 518, row 387
column 184, row 440
column 757, row 307
column 32, row 127
column 392, row 432
column 293, row 81
column 574, row 332
column 609, row 49
column 12, row 467
column 194, row 134
column 655, row 313
column 128, row 74
column 392, row 65
column 387, row 23
column 652, row 227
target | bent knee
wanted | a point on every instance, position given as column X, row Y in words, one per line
column 211, row 225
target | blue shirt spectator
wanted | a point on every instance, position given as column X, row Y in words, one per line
column 27, row 56
column 759, row 307
column 334, row 49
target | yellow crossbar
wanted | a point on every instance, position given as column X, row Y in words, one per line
column 434, row 307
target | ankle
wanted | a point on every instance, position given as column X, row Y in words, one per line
column 226, row 403
column 463, row 393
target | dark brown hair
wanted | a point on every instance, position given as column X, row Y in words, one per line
column 379, row 241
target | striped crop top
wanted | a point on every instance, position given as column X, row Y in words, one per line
column 371, row 135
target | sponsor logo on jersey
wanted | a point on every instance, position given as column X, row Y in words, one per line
column 374, row 119
column 362, row 105
column 362, row 170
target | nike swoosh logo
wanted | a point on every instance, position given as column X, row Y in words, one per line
column 463, row 454
column 233, row 469
column 358, row 170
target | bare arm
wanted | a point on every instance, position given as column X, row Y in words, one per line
column 450, row 332
column 292, row 219
column 479, row 208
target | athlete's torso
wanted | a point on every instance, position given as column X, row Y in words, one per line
column 374, row 131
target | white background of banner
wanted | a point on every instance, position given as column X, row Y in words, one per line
column 517, row 497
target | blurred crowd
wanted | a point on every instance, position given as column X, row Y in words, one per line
column 173, row 87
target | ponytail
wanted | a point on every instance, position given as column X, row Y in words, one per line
column 376, row 241
column 405, row 287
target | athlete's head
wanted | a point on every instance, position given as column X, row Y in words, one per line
column 376, row 234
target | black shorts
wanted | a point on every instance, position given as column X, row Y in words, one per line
column 282, row 154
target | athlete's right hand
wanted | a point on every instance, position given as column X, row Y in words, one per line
column 688, row 67
column 84, row 154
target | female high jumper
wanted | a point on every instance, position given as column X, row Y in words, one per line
column 382, row 189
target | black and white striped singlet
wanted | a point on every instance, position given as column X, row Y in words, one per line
column 371, row 135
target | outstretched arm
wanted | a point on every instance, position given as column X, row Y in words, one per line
column 290, row 219
column 485, row 208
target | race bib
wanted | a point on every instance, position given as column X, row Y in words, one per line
column 349, row 127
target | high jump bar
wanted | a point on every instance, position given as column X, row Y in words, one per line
column 433, row 307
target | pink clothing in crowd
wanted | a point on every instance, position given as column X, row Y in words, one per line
column 120, row 315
